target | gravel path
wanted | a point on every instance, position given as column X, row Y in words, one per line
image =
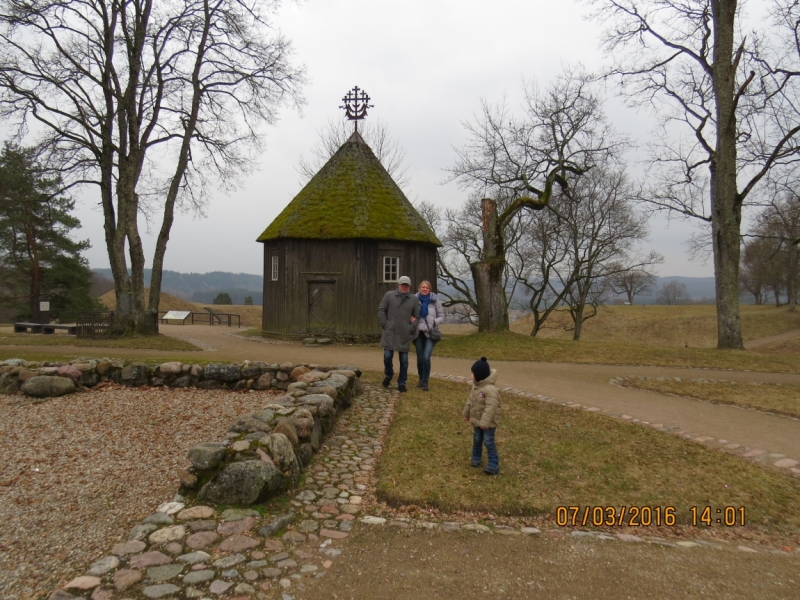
column 79, row 471
column 781, row 337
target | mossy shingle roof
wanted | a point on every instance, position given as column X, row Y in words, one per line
column 352, row 196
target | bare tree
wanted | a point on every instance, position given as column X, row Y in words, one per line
column 773, row 255
column 563, row 131
column 149, row 101
column 731, row 101
column 375, row 132
column 753, row 275
column 462, row 237
column 632, row 282
column 602, row 229
column 673, row 292
column 548, row 245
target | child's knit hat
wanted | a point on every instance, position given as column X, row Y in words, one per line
column 481, row 369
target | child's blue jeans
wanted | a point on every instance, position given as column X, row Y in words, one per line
column 485, row 437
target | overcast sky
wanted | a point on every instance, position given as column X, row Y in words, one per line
column 426, row 65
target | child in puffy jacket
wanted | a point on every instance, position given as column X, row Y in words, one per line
column 482, row 411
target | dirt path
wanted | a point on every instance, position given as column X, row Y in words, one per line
column 781, row 337
column 584, row 384
column 398, row 564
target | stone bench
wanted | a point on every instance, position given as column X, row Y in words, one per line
column 70, row 328
column 24, row 327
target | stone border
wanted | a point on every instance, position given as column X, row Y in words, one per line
column 18, row 375
column 263, row 455
column 475, row 527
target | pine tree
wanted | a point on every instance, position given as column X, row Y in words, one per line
column 222, row 298
column 38, row 258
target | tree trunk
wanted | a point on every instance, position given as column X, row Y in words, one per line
column 579, row 309
column 128, row 216
column 36, row 276
column 726, row 206
column 180, row 169
column 488, row 273
column 791, row 278
column 488, row 278
column 576, row 332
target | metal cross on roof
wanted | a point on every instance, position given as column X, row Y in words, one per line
column 356, row 105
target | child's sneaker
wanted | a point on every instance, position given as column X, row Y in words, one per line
column 488, row 472
column 475, row 464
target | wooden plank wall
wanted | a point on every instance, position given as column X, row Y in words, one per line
column 356, row 266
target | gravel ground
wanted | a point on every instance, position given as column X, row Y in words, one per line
column 77, row 472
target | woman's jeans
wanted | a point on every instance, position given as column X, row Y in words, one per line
column 485, row 437
column 424, row 346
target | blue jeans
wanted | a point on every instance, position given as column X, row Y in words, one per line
column 424, row 346
column 388, row 370
column 485, row 437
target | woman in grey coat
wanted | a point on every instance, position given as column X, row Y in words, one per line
column 431, row 315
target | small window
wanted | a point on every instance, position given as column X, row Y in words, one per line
column 274, row 268
column 391, row 267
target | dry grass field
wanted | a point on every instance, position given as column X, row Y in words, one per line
column 553, row 455
column 782, row 399
column 250, row 315
column 649, row 325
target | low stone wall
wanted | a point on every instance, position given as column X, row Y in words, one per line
column 42, row 379
column 263, row 454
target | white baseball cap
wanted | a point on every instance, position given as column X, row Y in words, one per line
column 404, row 279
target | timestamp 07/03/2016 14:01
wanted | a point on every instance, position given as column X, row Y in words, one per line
column 647, row 516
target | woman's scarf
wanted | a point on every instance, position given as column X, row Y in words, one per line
column 423, row 305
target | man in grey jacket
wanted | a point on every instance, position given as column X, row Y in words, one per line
column 398, row 314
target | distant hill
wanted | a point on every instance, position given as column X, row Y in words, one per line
column 204, row 287
column 698, row 288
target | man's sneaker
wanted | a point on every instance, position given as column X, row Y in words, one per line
column 386, row 381
column 401, row 388
column 420, row 384
column 425, row 387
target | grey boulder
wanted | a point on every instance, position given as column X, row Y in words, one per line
column 249, row 424
column 243, row 483
column 46, row 387
column 220, row 372
column 207, row 455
